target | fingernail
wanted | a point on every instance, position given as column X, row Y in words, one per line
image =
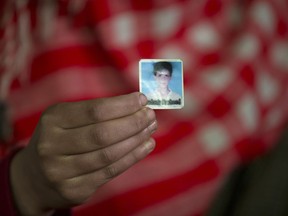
column 143, row 99
column 150, row 114
column 150, row 145
column 152, row 127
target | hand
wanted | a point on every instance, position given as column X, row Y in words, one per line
column 79, row 146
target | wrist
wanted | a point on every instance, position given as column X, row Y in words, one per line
column 26, row 198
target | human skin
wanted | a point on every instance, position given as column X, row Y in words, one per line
column 163, row 78
column 79, row 146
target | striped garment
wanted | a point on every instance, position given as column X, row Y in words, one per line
column 235, row 73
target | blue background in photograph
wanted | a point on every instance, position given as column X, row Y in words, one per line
column 148, row 82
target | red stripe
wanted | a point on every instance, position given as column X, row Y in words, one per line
column 209, row 59
column 98, row 10
column 142, row 5
column 120, row 60
column 249, row 148
column 133, row 201
column 24, row 127
column 76, row 56
column 146, row 48
column 179, row 131
column 212, row 8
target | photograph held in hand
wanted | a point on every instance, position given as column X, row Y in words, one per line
column 161, row 80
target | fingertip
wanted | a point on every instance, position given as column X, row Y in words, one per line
column 150, row 145
column 153, row 127
column 143, row 99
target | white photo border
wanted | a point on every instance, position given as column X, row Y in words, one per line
column 180, row 82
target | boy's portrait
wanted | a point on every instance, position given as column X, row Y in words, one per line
column 161, row 80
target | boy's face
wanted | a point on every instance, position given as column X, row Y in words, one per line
column 163, row 77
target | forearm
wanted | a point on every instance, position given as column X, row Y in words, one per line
column 25, row 195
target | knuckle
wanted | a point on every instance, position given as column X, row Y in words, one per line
column 97, row 135
column 47, row 116
column 84, row 163
column 110, row 172
column 106, row 156
column 49, row 164
column 45, row 119
column 94, row 135
column 95, row 112
column 53, row 113
column 51, row 173
column 47, row 139
column 52, row 170
column 69, row 194
column 73, row 194
column 43, row 149
column 65, row 192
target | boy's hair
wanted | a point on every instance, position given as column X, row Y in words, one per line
column 158, row 66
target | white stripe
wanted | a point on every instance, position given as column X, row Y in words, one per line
column 47, row 19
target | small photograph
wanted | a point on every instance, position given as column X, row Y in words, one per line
column 161, row 80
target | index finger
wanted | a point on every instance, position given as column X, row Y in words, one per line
column 77, row 114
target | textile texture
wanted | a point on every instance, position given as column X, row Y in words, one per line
column 235, row 75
